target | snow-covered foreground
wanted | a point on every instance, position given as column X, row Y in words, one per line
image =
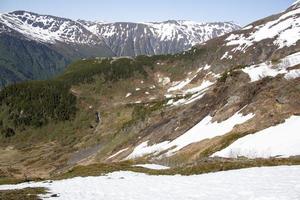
column 267, row 183
column 281, row 140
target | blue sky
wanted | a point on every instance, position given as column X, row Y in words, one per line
column 239, row 11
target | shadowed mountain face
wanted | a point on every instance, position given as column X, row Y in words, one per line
column 37, row 46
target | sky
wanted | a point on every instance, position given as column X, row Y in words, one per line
column 238, row 11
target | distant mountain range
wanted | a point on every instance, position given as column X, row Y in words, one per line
column 34, row 46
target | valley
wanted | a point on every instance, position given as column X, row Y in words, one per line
column 225, row 107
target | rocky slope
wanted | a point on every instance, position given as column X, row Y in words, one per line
column 37, row 46
column 235, row 95
column 130, row 39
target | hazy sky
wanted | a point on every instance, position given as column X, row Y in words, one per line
column 239, row 11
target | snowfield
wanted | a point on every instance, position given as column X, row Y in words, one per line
column 267, row 183
column 285, row 31
column 205, row 129
column 281, row 140
column 262, row 70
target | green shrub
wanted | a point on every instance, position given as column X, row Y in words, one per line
column 111, row 70
column 7, row 132
column 35, row 103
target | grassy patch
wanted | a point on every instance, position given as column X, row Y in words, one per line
column 99, row 169
column 224, row 142
column 230, row 72
column 142, row 111
column 219, row 164
column 199, row 167
column 9, row 180
column 23, row 194
column 5, row 181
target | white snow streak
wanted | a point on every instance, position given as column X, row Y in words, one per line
column 152, row 166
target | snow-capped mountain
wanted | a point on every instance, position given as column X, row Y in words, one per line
column 46, row 28
column 157, row 37
column 125, row 39
column 38, row 46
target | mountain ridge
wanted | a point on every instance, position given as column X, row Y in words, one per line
column 78, row 39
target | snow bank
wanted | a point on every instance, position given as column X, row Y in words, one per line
column 205, row 129
column 181, row 84
column 205, row 84
column 119, row 152
column 281, row 140
column 257, row 72
column 285, row 31
column 152, row 166
column 198, row 92
column 144, row 149
column 267, row 183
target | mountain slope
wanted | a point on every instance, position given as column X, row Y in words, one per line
column 61, row 41
column 39, row 46
column 169, row 37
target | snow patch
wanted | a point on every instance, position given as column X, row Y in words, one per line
column 205, row 129
column 281, row 140
column 285, row 31
column 164, row 80
column 119, row 152
column 257, row 72
column 152, row 166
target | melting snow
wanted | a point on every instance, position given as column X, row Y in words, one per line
column 265, row 183
column 119, row 152
column 205, row 84
column 281, row 140
column 205, row 129
column 292, row 74
column 207, row 67
column 144, row 149
column 164, row 80
column 257, row 72
column 128, row 95
column 285, row 31
column 152, row 166
column 198, row 92
column 152, row 87
column 181, row 84
column 226, row 56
